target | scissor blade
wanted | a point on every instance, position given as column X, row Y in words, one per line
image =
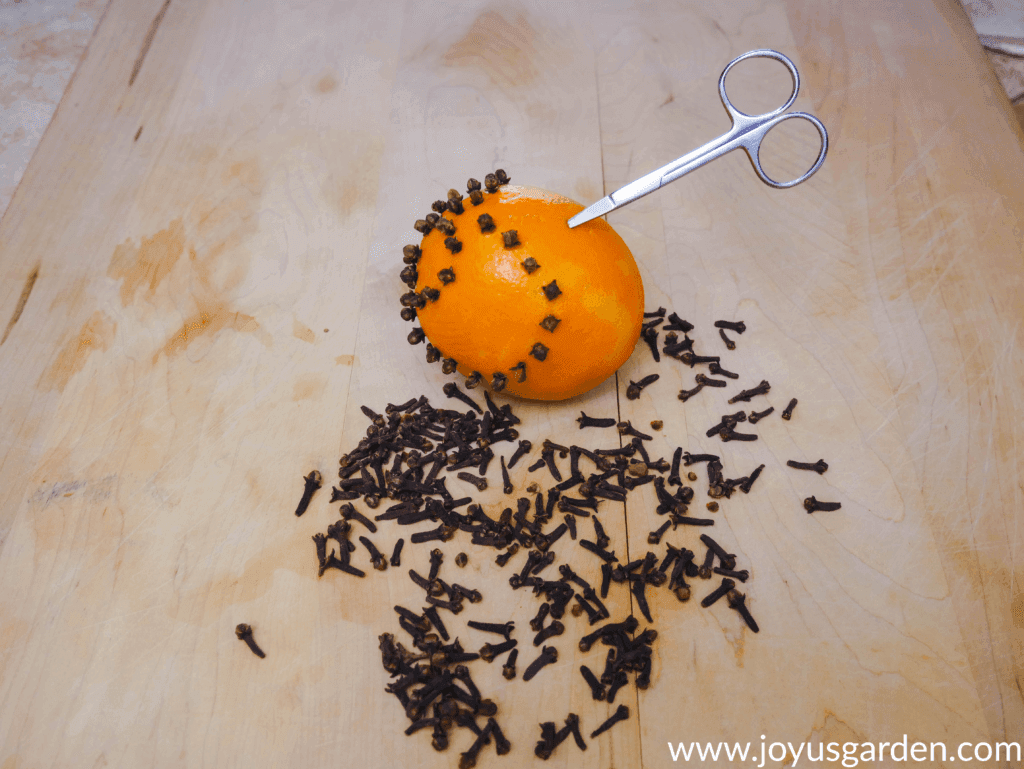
column 600, row 208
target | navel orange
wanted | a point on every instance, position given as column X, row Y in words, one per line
column 507, row 294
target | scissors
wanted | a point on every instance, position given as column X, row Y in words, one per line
column 747, row 132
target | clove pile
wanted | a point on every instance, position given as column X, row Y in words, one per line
column 405, row 459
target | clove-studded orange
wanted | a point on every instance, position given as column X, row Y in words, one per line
column 507, row 294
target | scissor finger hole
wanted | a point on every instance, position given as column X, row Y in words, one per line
column 789, row 149
column 758, row 85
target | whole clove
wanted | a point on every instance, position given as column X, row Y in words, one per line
column 313, row 482
column 635, row 388
column 739, row 327
column 585, row 421
column 396, row 556
column 715, row 368
column 708, row 382
column 743, row 575
column 621, row 714
column 819, row 467
column 729, row 344
column 757, row 416
column 650, row 337
column 721, row 590
column 524, row 448
column 745, row 486
column 548, row 655
column 787, row 414
column 377, row 558
column 480, row 483
column 499, row 628
column 747, row 395
column 452, row 390
column 685, row 395
column 555, row 628
column 244, row 633
column 732, row 435
column 691, row 360
column 737, row 601
column 550, row 323
column 812, row 505
column 508, row 670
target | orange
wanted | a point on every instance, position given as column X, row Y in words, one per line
column 549, row 316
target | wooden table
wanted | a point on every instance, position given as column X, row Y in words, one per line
column 199, row 269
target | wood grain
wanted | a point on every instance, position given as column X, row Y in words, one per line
column 214, row 224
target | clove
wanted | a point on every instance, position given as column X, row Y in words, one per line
column 585, row 421
column 550, row 323
column 313, row 482
column 787, row 414
column 746, row 395
column 621, row 714
column 551, row 290
column 508, row 670
column 244, row 633
column 721, row 590
column 737, row 601
column 548, row 655
column 715, row 368
column 452, row 391
column 635, row 388
column 819, row 467
column 739, row 327
column 812, row 505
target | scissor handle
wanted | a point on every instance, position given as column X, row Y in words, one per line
column 760, row 53
column 753, row 128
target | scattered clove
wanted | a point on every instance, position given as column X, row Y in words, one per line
column 244, row 633
column 812, row 505
column 313, row 482
column 819, row 467
column 787, row 414
column 634, row 389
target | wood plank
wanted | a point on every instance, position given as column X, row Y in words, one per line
column 199, row 216
column 861, row 301
column 215, row 296
column 485, row 89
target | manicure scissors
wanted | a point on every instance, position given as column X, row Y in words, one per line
column 747, row 132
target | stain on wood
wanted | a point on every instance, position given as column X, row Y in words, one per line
column 207, row 321
column 30, row 283
column 147, row 265
column 309, row 387
column 303, row 332
column 96, row 333
column 504, row 50
column 147, row 42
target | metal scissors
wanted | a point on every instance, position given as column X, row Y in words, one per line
column 747, row 132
